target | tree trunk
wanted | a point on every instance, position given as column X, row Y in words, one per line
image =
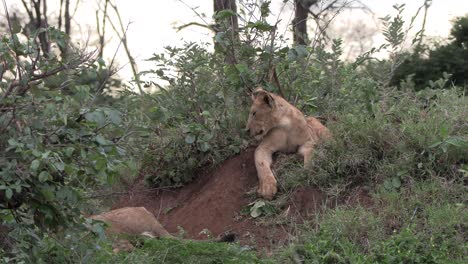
column 231, row 27
column 41, row 22
column 67, row 17
column 299, row 22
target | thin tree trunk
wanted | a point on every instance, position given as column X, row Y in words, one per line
column 67, row 17
column 299, row 23
column 41, row 23
column 232, row 27
column 102, row 31
column 60, row 15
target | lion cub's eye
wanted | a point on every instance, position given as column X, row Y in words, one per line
column 253, row 114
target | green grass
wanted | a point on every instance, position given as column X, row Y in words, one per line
column 423, row 223
column 177, row 251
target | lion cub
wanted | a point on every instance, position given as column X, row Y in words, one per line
column 281, row 127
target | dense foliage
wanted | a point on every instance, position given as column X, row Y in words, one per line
column 60, row 142
column 425, row 67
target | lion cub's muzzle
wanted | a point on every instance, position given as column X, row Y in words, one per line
column 254, row 132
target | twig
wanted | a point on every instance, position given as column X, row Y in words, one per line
column 210, row 27
column 133, row 64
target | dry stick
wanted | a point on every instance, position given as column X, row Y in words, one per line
column 195, row 11
column 30, row 14
column 133, row 64
column 427, row 4
column 103, row 33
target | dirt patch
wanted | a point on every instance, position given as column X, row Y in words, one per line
column 214, row 201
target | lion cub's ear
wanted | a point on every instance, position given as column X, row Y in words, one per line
column 257, row 92
column 260, row 94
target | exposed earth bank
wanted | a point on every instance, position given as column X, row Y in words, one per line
column 215, row 199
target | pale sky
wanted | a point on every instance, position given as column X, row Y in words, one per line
column 152, row 22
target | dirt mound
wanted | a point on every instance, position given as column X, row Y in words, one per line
column 214, row 201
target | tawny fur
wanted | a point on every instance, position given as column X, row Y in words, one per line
column 281, row 127
column 131, row 221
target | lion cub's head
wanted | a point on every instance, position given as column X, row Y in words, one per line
column 262, row 114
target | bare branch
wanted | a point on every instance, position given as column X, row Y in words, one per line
column 123, row 38
column 210, row 27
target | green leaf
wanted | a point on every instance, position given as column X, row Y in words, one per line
column 189, row 139
column 242, row 68
column 388, row 185
column 205, row 146
column 444, row 131
column 44, row 176
column 115, row 117
column 13, row 142
column 396, row 182
column 102, row 141
column 69, row 151
column 435, row 144
column 9, row 193
column 260, row 25
column 35, row 165
column 96, row 117
column 16, row 27
column 265, row 9
column 47, row 192
column 36, row 153
column 256, row 209
column 101, row 164
column 225, row 14
column 302, row 51
column 59, row 166
column 457, row 142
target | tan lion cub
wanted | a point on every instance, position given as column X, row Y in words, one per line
column 281, row 127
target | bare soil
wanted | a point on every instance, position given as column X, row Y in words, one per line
column 215, row 199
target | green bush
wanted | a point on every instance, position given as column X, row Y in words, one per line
column 199, row 116
column 60, row 143
column 450, row 58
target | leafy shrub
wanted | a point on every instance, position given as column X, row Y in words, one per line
column 450, row 58
column 58, row 145
column 199, row 116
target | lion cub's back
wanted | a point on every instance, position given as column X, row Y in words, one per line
column 317, row 129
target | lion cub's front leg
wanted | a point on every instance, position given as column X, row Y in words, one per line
column 267, row 183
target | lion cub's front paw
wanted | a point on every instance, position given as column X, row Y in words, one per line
column 267, row 190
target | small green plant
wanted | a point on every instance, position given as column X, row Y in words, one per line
column 261, row 208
